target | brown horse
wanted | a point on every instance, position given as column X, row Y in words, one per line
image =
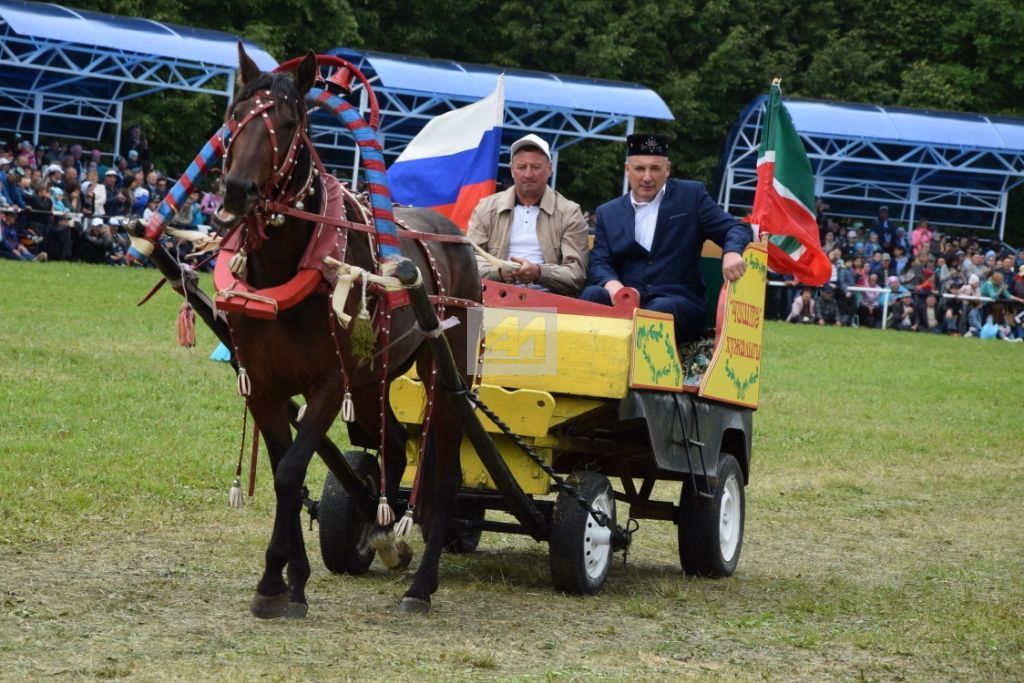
column 297, row 354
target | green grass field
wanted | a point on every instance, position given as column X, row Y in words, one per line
column 884, row 538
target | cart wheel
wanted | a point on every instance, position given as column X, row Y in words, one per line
column 711, row 529
column 344, row 529
column 580, row 548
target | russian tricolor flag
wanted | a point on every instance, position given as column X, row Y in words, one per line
column 453, row 162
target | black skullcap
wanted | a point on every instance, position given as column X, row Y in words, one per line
column 646, row 144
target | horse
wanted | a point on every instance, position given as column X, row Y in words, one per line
column 305, row 350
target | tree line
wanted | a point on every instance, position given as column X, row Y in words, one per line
column 706, row 58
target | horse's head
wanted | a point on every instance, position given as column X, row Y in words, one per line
column 268, row 116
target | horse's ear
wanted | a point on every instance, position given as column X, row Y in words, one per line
column 247, row 69
column 305, row 75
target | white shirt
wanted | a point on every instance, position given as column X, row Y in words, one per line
column 522, row 238
column 646, row 218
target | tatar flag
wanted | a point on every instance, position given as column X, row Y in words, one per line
column 453, row 162
column 784, row 201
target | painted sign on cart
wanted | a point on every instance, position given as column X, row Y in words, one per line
column 655, row 360
column 734, row 374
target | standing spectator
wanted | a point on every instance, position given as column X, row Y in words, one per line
column 883, row 227
column 136, row 140
column 96, row 157
column 803, row 310
column 921, row 236
column 995, row 288
column 901, row 240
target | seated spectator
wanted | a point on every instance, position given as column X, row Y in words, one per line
column 933, row 316
column 899, row 260
column 995, row 288
column 803, row 310
column 211, row 202
column 975, row 265
column 895, row 292
column 1018, row 283
column 902, row 314
column 871, row 245
column 827, row 308
column 10, row 246
column 972, row 322
column 869, row 310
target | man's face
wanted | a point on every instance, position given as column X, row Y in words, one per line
column 647, row 175
column 978, row 259
column 530, row 171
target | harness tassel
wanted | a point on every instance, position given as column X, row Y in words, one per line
column 348, row 408
column 239, row 264
column 244, row 384
column 235, row 498
column 186, row 326
column 364, row 339
column 404, row 527
column 384, row 514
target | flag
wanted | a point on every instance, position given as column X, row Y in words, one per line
column 784, row 200
column 453, row 162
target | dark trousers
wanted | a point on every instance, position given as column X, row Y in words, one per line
column 689, row 322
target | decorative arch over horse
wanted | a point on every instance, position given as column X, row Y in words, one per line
column 304, row 268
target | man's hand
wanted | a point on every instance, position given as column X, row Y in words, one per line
column 613, row 286
column 528, row 272
column 733, row 266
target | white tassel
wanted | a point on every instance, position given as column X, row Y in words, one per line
column 348, row 409
column 244, row 384
column 338, row 298
column 404, row 527
column 235, row 498
column 239, row 264
column 302, row 412
column 384, row 514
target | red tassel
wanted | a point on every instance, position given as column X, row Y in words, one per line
column 186, row 326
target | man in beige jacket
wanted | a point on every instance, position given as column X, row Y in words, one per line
column 532, row 225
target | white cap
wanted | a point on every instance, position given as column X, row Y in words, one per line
column 54, row 168
column 110, row 171
column 533, row 141
column 97, row 221
column 4, row 161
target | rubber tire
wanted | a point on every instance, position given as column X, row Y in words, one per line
column 461, row 541
column 569, row 526
column 700, row 523
column 344, row 529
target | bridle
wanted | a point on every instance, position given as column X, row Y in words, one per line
column 275, row 190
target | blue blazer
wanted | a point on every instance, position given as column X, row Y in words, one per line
column 687, row 216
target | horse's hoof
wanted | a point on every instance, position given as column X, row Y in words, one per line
column 413, row 606
column 270, row 606
column 395, row 554
column 296, row 610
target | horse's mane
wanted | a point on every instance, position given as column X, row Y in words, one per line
column 279, row 85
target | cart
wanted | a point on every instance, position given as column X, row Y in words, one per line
column 572, row 397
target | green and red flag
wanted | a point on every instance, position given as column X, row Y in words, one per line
column 784, row 200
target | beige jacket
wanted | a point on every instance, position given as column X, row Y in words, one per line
column 561, row 232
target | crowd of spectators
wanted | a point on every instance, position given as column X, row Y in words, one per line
column 929, row 282
column 59, row 203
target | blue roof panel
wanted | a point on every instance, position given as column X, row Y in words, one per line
column 857, row 121
column 530, row 88
column 128, row 34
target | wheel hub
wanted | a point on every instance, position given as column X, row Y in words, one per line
column 597, row 540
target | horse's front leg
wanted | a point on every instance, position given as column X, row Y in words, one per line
column 443, row 487
column 271, row 599
column 286, row 543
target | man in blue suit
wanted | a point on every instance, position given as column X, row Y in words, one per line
column 651, row 239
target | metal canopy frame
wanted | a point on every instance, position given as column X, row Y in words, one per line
column 564, row 110
column 67, row 73
column 955, row 169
